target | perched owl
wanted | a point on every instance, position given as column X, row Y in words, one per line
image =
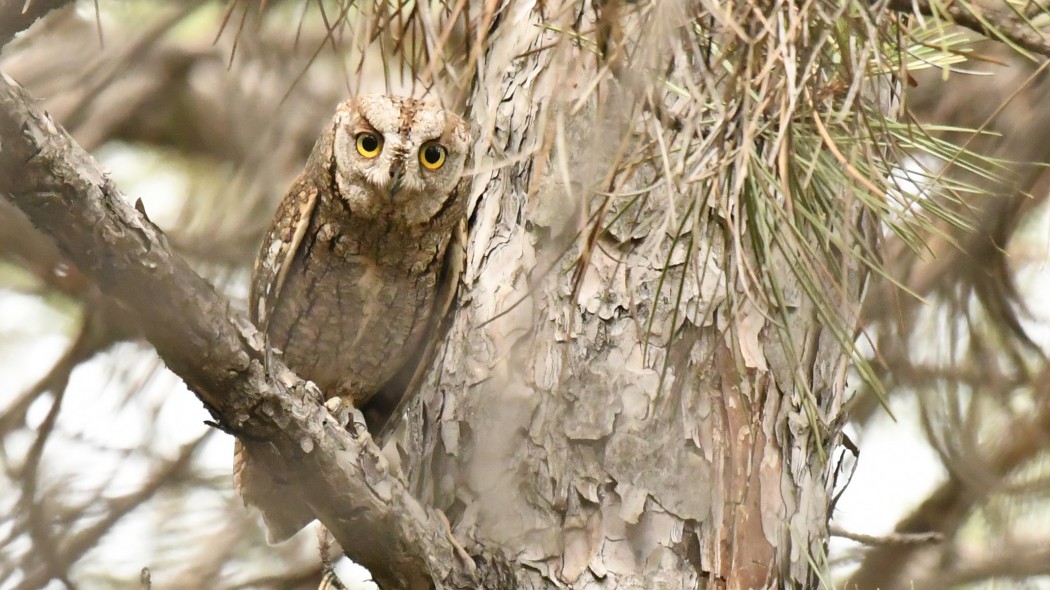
column 355, row 269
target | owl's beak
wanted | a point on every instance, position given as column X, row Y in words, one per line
column 397, row 172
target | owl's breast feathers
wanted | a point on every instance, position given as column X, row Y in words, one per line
column 356, row 300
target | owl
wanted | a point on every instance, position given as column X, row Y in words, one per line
column 357, row 267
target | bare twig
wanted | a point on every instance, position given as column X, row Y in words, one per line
column 947, row 506
column 72, row 547
column 890, row 539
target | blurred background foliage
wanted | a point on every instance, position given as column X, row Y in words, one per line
column 206, row 110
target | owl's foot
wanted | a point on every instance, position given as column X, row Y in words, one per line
column 346, row 415
column 338, row 410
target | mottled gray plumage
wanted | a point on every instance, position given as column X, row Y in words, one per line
column 348, row 278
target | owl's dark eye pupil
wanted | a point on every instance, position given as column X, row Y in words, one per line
column 432, row 154
column 369, row 143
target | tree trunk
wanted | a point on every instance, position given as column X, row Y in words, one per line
column 620, row 412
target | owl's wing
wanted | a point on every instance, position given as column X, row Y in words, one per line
column 278, row 250
column 452, row 274
column 258, row 487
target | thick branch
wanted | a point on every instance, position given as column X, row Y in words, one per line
column 218, row 353
column 1002, row 22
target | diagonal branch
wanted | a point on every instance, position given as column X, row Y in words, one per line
column 214, row 348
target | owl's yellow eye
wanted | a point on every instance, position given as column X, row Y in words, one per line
column 369, row 145
column 432, row 156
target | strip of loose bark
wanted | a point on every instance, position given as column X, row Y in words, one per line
column 217, row 351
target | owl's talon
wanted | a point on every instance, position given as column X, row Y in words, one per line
column 339, row 411
column 333, row 404
column 346, row 415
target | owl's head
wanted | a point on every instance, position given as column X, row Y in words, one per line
column 399, row 157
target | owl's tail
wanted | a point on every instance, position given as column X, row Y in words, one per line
column 279, row 501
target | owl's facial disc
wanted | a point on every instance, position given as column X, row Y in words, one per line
column 398, row 157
